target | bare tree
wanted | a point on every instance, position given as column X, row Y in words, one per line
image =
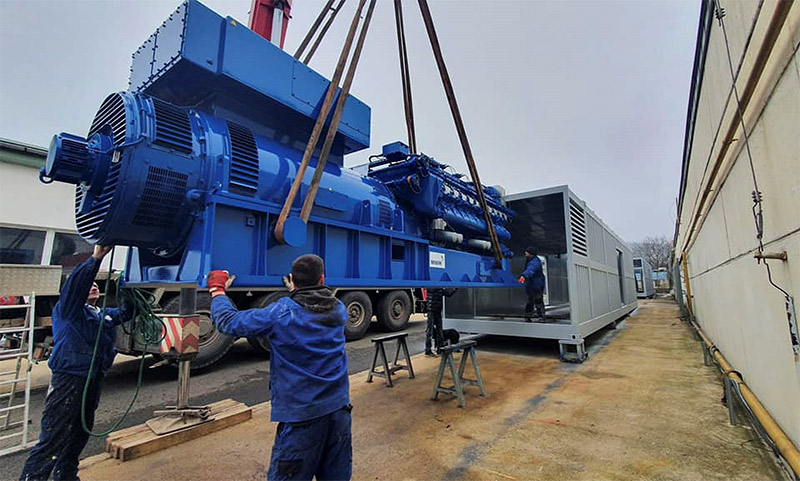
column 656, row 251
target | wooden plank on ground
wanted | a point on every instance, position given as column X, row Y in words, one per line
column 137, row 441
column 115, row 436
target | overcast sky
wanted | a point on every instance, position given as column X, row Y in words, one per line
column 587, row 93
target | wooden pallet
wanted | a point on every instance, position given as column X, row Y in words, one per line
column 137, row 441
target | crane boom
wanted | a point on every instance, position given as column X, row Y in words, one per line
column 270, row 18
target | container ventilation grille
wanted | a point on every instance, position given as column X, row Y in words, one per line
column 111, row 113
column 577, row 222
column 173, row 129
column 162, row 198
column 244, row 160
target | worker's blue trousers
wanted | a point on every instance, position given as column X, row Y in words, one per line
column 320, row 447
column 62, row 438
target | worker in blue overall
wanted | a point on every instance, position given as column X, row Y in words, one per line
column 76, row 319
column 309, row 382
column 533, row 278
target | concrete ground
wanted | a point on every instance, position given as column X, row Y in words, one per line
column 242, row 375
column 642, row 407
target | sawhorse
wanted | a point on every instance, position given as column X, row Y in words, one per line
column 389, row 370
column 448, row 360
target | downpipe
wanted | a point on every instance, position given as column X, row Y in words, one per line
column 787, row 450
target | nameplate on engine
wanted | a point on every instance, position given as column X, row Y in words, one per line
column 437, row 260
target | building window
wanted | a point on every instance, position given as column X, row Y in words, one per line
column 21, row 246
column 69, row 250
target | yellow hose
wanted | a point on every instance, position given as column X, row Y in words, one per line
column 785, row 446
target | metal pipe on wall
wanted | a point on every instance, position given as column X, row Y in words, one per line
column 785, row 447
column 689, row 303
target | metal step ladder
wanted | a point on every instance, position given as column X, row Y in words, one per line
column 18, row 428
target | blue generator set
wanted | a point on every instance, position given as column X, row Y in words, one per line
column 191, row 166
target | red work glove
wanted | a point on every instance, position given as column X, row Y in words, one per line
column 218, row 281
column 521, row 280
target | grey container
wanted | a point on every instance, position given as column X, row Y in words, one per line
column 643, row 278
column 590, row 281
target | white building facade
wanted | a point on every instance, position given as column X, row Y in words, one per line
column 733, row 300
column 37, row 221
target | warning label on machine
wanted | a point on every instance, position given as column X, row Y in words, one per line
column 437, row 260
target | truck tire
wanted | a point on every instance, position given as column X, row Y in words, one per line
column 394, row 309
column 260, row 344
column 213, row 345
column 359, row 314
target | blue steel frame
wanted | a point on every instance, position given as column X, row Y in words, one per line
column 215, row 242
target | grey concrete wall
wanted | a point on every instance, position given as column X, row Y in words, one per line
column 733, row 300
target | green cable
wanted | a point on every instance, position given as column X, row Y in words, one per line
column 150, row 329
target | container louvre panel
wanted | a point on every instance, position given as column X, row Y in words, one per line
column 577, row 221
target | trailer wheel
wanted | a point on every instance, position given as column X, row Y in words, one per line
column 212, row 344
column 260, row 344
column 359, row 314
column 394, row 309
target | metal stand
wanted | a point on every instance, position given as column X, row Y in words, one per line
column 572, row 350
column 459, row 381
column 729, row 401
column 387, row 369
column 183, row 415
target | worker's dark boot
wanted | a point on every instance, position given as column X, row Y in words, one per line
column 430, row 354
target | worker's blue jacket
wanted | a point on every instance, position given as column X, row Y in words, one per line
column 75, row 326
column 308, row 374
column 534, row 277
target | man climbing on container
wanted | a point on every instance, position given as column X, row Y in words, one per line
column 533, row 278
column 434, row 328
column 308, row 370
column 76, row 319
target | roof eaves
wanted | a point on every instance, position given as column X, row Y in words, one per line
column 701, row 51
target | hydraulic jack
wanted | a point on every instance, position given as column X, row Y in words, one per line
column 180, row 343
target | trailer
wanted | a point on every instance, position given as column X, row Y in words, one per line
column 590, row 280
column 643, row 275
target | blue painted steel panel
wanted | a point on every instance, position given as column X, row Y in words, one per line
column 219, row 62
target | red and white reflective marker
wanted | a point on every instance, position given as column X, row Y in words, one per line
column 181, row 335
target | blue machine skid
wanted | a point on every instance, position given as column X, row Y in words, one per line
column 355, row 257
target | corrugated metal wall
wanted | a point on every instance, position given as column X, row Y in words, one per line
column 597, row 290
